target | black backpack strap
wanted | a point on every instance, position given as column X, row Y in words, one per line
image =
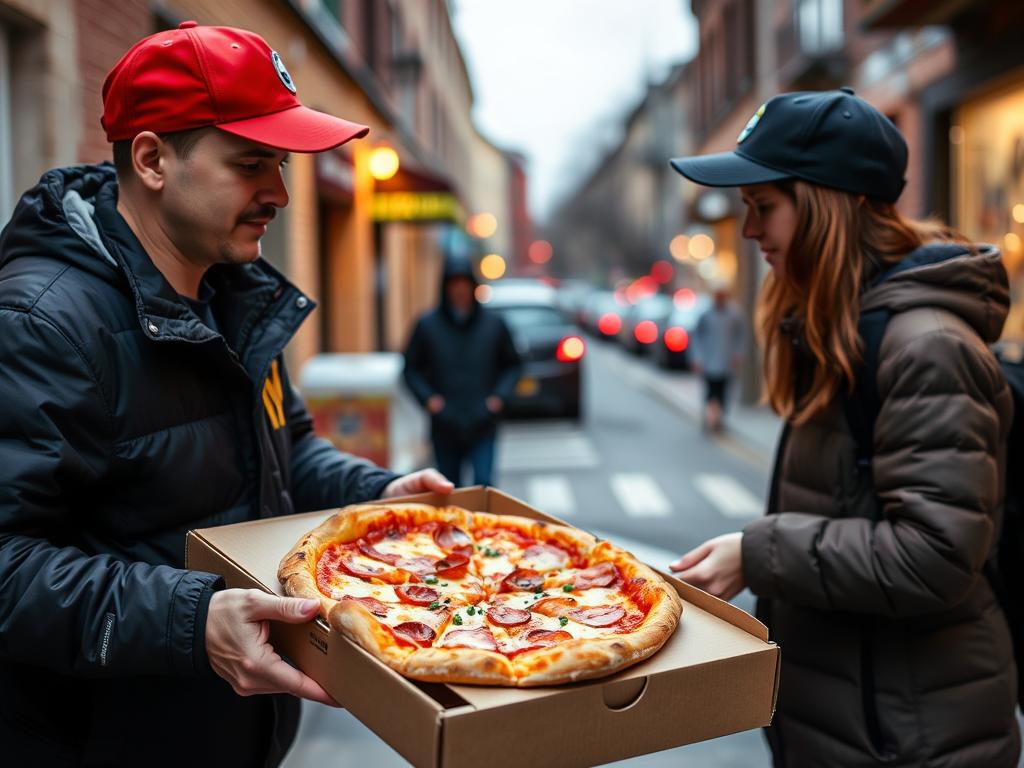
column 863, row 404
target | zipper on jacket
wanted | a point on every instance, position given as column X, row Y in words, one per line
column 869, row 701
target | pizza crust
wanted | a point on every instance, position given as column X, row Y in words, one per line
column 568, row 661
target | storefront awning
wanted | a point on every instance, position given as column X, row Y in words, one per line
column 414, row 195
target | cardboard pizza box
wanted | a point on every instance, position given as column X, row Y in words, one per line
column 717, row 674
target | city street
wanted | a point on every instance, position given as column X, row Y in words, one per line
column 638, row 471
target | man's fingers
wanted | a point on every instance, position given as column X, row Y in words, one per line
column 281, row 677
column 293, row 610
column 435, row 481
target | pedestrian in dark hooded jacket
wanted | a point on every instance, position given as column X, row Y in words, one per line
column 145, row 393
column 894, row 648
column 462, row 365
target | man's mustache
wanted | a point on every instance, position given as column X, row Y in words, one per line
column 267, row 212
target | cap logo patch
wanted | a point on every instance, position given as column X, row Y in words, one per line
column 282, row 72
column 751, row 124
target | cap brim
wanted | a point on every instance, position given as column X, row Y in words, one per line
column 297, row 129
column 726, row 169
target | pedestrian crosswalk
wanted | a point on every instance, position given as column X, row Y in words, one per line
column 554, row 446
column 545, row 460
column 639, row 495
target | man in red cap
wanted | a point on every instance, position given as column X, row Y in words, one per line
column 145, row 394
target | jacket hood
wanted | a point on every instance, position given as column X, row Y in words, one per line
column 457, row 266
column 59, row 212
column 970, row 283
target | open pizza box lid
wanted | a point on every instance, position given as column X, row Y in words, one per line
column 717, row 674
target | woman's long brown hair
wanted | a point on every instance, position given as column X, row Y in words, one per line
column 841, row 240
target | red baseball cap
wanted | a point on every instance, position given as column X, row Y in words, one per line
column 194, row 76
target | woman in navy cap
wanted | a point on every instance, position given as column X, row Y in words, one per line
column 887, row 489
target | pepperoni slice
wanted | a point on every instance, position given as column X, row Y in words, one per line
column 504, row 616
column 453, row 566
column 421, row 566
column 415, row 632
column 544, row 557
column 554, row 606
column 522, row 580
column 598, row 576
column 384, row 557
column 451, row 537
column 372, row 604
column 546, row 637
column 416, row 594
column 599, row 615
column 479, row 638
column 348, row 563
column 630, row 622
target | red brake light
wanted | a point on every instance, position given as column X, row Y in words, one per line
column 646, row 332
column 677, row 339
column 570, row 349
column 609, row 323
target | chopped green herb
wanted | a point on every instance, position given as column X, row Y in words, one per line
column 471, row 610
column 479, row 546
column 434, row 606
column 430, row 579
column 544, row 594
column 567, row 587
column 447, row 599
column 562, row 620
column 457, row 621
column 444, row 583
column 488, row 552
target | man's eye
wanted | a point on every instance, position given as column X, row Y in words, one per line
column 249, row 167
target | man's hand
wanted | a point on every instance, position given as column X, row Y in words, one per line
column 494, row 404
column 424, row 481
column 716, row 566
column 435, row 404
column 237, row 632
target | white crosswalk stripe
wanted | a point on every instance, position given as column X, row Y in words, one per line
column 551, row 446
column 639, row 495
column 552, row 493
column 728, row 496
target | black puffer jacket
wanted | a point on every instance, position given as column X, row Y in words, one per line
column 894, row 648
column 125, row 423
column 465, row 360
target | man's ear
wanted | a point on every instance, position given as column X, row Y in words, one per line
column 148, row 155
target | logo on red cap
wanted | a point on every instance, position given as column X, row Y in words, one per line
column 282, row 72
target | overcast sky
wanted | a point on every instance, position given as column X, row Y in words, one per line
column 554, row 78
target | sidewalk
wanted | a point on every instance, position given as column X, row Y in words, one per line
column 751, row 431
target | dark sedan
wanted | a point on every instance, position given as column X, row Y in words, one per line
column 551, row 349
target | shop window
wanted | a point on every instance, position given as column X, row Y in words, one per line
column 986, row 142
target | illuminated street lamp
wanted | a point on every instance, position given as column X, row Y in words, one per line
column 539, row 252
column 492, row 266
column 383, row 162
column 482, row 225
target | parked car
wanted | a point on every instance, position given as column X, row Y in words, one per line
column 551, row 349
column 676, row 333
column 641, row 323
column 602, row 314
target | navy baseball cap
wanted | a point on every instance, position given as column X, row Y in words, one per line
column 831, row 138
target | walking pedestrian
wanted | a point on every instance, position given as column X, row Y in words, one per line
column 462, row 365
column 145, row 393
column 720, row 340
column 870, row 577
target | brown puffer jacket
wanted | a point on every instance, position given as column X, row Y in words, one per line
column 894, row 649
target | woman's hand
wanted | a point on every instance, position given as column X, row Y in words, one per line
column 716, row 566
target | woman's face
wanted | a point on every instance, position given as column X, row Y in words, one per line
column 771, row 221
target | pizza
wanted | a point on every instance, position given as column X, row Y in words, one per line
column 443, row 594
